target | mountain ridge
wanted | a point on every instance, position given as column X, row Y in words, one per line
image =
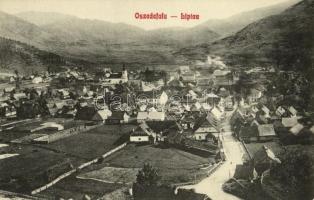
column 277, row 40
column 236, row 22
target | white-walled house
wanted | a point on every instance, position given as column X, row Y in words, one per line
column 292, row 111
column 205, row 128
column 150, row 116
column 254, row 95
column 153, row 97
column 111, row 78
column 280, row 111
column 149, row 86
column 214, row 117
column 139, row 136
column 200, row 136
column 37, row 80
column 7, row 110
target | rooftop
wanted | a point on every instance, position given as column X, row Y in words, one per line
column 266, row 130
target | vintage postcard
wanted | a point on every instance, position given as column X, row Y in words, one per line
column 157, row 99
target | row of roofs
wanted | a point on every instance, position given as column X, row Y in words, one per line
column 261, row 124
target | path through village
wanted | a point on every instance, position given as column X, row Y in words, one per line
column 234, row 151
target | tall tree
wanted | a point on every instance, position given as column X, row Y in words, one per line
column 148, row 176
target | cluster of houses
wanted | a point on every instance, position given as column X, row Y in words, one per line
column 259, row 122
column 261, row 161
column 164, row 110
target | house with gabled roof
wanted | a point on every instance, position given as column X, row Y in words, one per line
column 102, row 115
column 262, row 118
column 248, row 134
column 86, row 112
column 163, row 128
column 156, row 116
column 280, row 111
column 256, row 132
column 113, row 78
column 155, row 97
column 19, row 96
column 150, row 116
column 155, row 85
column 289, row 122
column 255, row 123
column 296, row 129
column 187, row 121
column 63, row 93
column 118, row 117
column 138, row 135
column 8, row 89
column 266, row 111
column 264, row 159
column 266, row 132
column 7, row 110
column 204, row 128
column 215, row 116
column 254, row 96
column 292, row 111
column 245, row 172
column 223, row 77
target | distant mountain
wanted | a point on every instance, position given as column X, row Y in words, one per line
column 22, row 57
column 285, row 40
column 106, row 42
column 92, row 40
column 42, row 18
column 237, row 22
column 183, row 36
column 111, row 32
column 17, row 29
column 27, row 59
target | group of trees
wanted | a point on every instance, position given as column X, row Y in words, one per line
column 152, row 75
column 146, row 182
column 296, row 171
column 148, row 176
column 34, row 105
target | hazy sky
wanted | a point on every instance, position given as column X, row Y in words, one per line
column 124, row 10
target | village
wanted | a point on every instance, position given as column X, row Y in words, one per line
column 74, row 134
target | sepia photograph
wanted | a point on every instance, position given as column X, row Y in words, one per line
column 157, row 99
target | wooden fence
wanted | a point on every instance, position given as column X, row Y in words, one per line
column 59, row 178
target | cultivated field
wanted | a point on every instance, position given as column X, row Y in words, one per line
column 93, row 143
column 175, row 166
column 75, row 188
column 112, row 175
column 27, row 170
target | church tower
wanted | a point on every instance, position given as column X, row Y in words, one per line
column 124, row 73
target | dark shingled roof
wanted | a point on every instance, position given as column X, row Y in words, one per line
column 117, row 115
column 250, row 131
column 163, row 126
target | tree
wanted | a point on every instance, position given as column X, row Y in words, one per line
column 147, row 176
column 295, row 171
